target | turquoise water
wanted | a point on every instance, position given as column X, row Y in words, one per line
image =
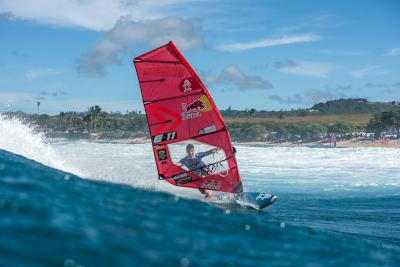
column 52, row 218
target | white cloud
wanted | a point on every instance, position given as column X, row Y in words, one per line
column 233, row 75
column 370, row 70
column 150, row 33
column 97, row 15
column 12, row 101
column 285, row 40
column 311, row 96
column 393, row 52
column 295, row 99
column 33, row 74
column 340, row 52
column 208, row 78
column 319, row 21
column 81, row 104
column 304, row 68
column 383, row 88
column 316, row 95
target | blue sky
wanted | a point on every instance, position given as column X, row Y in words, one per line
column 263, row 54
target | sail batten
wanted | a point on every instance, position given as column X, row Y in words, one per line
column 191, row 144
column 169, row 98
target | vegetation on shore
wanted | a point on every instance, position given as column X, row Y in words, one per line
column 345, row 117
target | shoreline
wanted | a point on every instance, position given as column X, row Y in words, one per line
column 352, row 143
column 341, row 144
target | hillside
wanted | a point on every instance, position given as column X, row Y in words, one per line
column 351, row 105
column 346, row 107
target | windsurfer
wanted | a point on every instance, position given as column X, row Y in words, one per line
column 193, row 162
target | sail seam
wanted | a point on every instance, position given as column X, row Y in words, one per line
column 169, row 98
column 159, row 61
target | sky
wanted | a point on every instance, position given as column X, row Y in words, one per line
column 268, row 55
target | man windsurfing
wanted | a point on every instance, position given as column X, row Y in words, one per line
column 193, row 161
column 180, row 108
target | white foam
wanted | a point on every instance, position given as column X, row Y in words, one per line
column 261, row 167
column 325, row 167
column 131, row 164
column 22, row 138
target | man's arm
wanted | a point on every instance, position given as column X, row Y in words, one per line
column 211, row 151
column 182, row 162
column 179, row 164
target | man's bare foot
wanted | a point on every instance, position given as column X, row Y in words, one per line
column 207, row 195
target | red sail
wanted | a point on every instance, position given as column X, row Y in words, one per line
column 181, row 112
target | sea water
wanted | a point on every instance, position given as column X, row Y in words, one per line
column 101, row 204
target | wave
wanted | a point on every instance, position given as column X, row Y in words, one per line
column 73, row 221
column 86, row 159
column 23, row 138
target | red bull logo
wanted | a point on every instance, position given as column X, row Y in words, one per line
column 193, row 109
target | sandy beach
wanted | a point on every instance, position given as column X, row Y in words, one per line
column 325, row 143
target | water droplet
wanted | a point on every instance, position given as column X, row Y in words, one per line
column 185, row 262
column 227, row 211
column 247, row 227
column 67, row 176
column 282, row 225
column 69, row 263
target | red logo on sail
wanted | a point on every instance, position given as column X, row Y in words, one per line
column 188, row 85
column 193, row 109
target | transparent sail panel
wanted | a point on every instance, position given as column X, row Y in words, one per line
column 200, row 158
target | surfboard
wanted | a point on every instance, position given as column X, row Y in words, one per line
column 255, row 200
column 251, row 200
column 190, row 140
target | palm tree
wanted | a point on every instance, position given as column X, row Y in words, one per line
column 94, row 112
column 102, row 118
column 87, row 118
column 60, row 117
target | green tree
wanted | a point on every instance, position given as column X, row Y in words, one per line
column 94, row 112
column 342, row 127
column 386, row 120
column 396, row 121
column 102, row 118
column 61, row 118
column 315, row 131
column 87, row 119
column 376, row 125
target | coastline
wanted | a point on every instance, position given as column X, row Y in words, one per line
column 352, row 143
column 340, row 144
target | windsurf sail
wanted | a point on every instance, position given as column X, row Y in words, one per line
column 191, row 143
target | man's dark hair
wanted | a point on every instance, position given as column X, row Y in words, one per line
column 189, row 147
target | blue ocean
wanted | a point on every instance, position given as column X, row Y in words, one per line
column 100, row 204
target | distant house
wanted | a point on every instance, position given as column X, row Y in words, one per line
column 388, row 135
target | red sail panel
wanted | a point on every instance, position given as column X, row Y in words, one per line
column 184, row 119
